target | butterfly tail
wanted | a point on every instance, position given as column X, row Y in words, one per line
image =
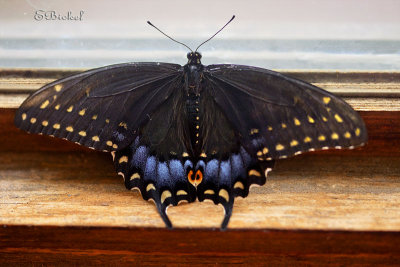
column 228, row 207
column 163, row 182
column 162, row 210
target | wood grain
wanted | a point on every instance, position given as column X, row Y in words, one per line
column 88, row 246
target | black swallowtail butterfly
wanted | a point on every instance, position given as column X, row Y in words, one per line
column 181, row 133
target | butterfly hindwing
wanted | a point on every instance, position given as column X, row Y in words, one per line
column 100, row 108
column 278, row 116
column 227, row 168
column 158, row 162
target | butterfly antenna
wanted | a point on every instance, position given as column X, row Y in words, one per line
column 169, row 36
column 215, row 33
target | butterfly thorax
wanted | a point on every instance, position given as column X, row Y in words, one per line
column 193, row 73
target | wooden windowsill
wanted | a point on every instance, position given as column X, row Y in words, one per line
column 66, row 189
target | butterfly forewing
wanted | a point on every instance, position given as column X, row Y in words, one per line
column 100, row 108
column 279, row 116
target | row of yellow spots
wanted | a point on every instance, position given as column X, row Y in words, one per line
column 307, row 139
column 223, row 193
column 297, row 122
column 164, row 195
column 57, row 126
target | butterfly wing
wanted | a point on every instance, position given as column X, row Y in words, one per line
column 278, row 116
column 100, row 108
column 157, row 162
column 228, row 170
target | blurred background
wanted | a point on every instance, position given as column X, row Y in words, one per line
column 308, row 34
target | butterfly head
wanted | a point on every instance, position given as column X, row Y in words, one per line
column 194, row 58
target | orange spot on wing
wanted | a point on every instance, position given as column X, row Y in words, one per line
column 197, row 179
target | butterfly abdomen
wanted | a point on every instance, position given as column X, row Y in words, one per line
column 194, row 117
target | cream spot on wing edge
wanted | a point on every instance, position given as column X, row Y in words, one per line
column 267, row 170
column 347, row 135
column 357, row 132
column 33, row 120
column 321, row 138
column 265, row 150
column 94, row 117
column 82, row 133
column 123, row 159
column 310, row 119
column 82, row 112
column 23, row 116
column 109, row 143
column 296, row 122
column 45, row 123
column 95, row 138
column 224, row 194
column 69, row 129
column 150, row 187
column 239, row 185
column 70, row 108
column 56, row 126
column 181, row 193
column 255, row 173
column 122, row 174
column 294, row 143
column 209, row 192
column 115, row 146
column 166, row 194
column 135, row 176
column 57, row 107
